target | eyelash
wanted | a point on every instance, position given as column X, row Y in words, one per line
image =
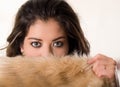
column 58, row 44
column 37, row 44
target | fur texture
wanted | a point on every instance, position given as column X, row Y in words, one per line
column 68, row 71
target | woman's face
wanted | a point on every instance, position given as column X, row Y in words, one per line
column 45, row 38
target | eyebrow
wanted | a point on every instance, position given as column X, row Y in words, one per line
column 34, row 38
column 59, row 38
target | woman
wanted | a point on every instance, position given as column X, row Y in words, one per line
column 44, row 27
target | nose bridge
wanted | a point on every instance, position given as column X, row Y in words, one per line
column 47, row 50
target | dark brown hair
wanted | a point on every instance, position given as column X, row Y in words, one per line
column 59, row 10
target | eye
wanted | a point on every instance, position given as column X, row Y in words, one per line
column 36, row 44
column 58, row 44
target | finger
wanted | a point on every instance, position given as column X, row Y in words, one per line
column 102, row 58
column 104, row 71
column 95, row 58
column 90, row 61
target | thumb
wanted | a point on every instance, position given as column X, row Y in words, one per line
column 91, row 60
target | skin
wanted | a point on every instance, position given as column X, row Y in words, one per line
column 45, row 38
column 48, row 37
column 103, row 66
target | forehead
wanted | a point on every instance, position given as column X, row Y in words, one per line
column 49, row 28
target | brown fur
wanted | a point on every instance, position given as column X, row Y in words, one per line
column 68, row 71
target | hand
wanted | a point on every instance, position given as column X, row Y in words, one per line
column 103, row 66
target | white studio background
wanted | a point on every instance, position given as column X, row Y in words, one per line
column 8, row 9
column 100, row 20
